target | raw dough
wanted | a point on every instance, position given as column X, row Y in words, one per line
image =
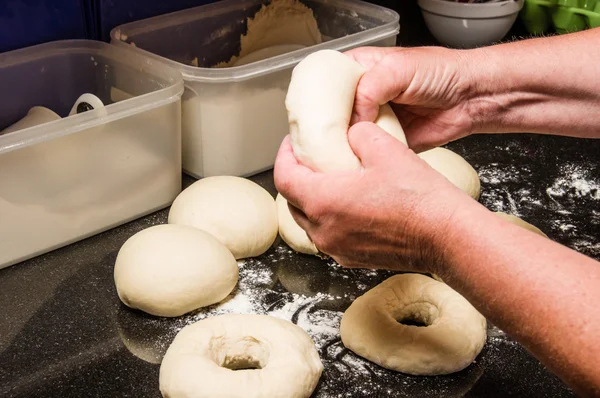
column 291, row 232
column 169, row 270
column 268, row 52
column 455, row 334
column 249, row 356
column 517, row 221
column 238, row 212
column 320, row 138
column 319, row 123
column 456, row 169
column 280, row 22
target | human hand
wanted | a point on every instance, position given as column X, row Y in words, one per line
column 427, row 87
column 393, row 214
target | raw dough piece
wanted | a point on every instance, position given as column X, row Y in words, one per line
column 281, row 22
column 456, row 169
column 517, row 221
column 291, row 232
column 249, row 356
column 319, row 123
column 238, row 212
column 455, row 334
column 169, row 270
column 268, row 52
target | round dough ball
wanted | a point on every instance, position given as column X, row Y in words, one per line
column 377, row 326
column 456, row 169
column 517, row 221
column 249, row 356
column 319, row 123
column 291, row 232
column 238, row 212
column 169, row 270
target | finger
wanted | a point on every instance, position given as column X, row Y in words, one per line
column 372, row 145
column 369, row 56
column 301, row 218
column 292, row 179
column 381, row 84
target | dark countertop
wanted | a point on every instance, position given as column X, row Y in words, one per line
column 64, row 332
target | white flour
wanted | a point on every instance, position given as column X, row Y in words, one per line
column 573, row 190
column 575, row 182
column 259, row 292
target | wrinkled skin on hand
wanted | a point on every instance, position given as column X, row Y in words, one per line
column 393, row 214
column 428, row 89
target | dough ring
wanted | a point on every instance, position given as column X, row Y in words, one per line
column 250, row 356
column 377, row 326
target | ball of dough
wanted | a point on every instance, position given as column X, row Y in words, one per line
column 230, row 356
column 456, row 169
column 377, row 326
column 169, row 270
column 517, row 221
column 291, row 232
column 319, row 123
column 238, row 212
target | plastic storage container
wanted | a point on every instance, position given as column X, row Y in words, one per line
column 234, row 118
column 111, row 13
column 73, row 177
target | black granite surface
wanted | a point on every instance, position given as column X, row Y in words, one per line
column 64, row 332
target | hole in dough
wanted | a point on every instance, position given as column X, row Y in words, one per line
column 417, row 314
column 413, row 320
column 245, row 354
column 237, row 363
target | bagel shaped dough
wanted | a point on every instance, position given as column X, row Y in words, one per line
column 274, row 359
column 169, row 270
column 456, row 170
column 521, row 223
column 236, row 211
column 290, row 231
column 455, row 334
column 319, row 104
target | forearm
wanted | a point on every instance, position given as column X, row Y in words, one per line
column 547, row 86
column 542, row 294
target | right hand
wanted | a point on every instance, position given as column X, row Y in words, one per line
column 395, row 213
column 427, row 87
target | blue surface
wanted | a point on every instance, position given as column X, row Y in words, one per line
column 112, row 13
column 24, row 23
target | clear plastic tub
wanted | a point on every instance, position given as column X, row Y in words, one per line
column 73, row 177
column 234, row 119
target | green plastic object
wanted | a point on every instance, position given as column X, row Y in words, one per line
column 563, row 16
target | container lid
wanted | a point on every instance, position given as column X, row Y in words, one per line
column 168, row 79
column 387, row 25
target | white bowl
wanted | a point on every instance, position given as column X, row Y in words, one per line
column 467, row 25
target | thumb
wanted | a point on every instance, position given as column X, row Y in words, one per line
column 384, row 82
column 373, row 145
